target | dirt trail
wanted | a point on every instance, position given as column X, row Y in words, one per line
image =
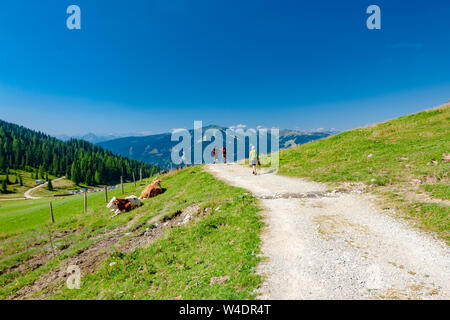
column 28, row 195
column 332, row 245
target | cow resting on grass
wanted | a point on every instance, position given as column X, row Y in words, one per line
column 118, row 205
column 152, row 190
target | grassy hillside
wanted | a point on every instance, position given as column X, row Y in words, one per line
column 222, row 240
column 400, row 159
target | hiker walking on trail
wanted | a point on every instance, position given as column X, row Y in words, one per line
column 254, row 159
column 214, row 154
column 224, row 154
column 183, row 160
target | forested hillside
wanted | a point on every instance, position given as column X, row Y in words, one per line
column 80, row 161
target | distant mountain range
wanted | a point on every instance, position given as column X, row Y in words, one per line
column 90, row 137
column 156, row 149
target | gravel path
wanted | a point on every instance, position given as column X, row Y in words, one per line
column 324, row 245
column 12, row 199
column 28, row 195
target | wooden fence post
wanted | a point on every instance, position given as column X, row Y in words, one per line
column 51, row 212
column 121, row 183
column 85, row 201
column 51, row 240
column 106, row 194
column 134, row 180
column 140, row 174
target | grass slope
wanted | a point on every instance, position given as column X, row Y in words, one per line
column 401, row 159
column 179, row 263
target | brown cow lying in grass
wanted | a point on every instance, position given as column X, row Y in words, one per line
column 123, row 205
column 152, row 190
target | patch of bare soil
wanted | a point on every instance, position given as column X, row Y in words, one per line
column 42, row 257
column 155, row 229
column 412, row 196
column 412, row 191
column 29, row 265
column 89, row 259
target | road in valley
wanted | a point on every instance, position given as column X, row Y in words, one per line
column 28, row 195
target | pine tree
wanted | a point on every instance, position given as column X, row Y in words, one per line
column 4, row 187
column 41, row 172
column 75, row 173
column 49, row 185
column 98, row 179
column 68, row 176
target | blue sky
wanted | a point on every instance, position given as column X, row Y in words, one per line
column 149, row 66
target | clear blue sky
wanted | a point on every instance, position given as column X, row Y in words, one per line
column 158, row 64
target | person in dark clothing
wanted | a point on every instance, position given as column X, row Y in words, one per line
column 224, row 154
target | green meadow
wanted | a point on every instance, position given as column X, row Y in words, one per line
column 180, row 263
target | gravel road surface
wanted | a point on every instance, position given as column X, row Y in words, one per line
column 324, row 245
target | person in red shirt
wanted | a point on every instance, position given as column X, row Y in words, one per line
column 214, row 154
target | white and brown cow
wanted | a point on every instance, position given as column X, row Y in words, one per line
column 118, row 205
